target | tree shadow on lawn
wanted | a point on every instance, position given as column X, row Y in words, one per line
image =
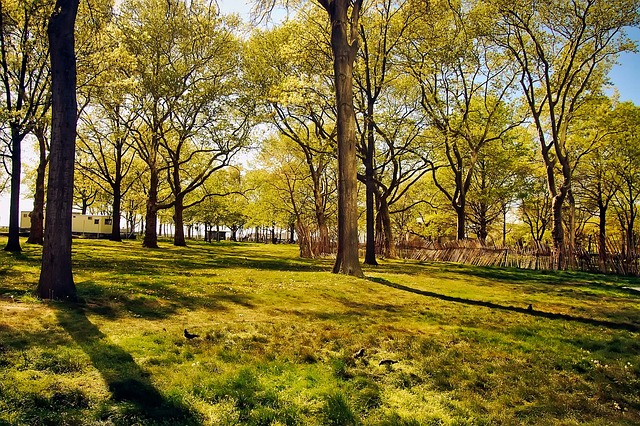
column 178, row 261
column 540, row 279
column 533, row 312
column 128, row 383
column 164, row 301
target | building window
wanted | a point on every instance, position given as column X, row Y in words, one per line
column 96, row 222
column 107, row 221
column 89, row 218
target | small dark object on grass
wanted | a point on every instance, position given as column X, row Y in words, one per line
column 190, row 336
column 387, row 362
column 530, row 307
column 359, row 354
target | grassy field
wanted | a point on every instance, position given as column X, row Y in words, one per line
column 278, row 335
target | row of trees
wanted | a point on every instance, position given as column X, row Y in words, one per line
column 436, row 108
column 471, row 108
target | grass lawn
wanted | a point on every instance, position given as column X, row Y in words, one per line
column 278, row 336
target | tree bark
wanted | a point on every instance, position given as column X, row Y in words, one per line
column 388, row 246
column 460, row 220
column 304, row 240
column 602, row 236
column 344, row 54
column 322, row 247
column 56, row 276
column 151, row 216
column 116, row 207
column 370, row 185
column 178, row 218
column 558, row 231
column 13, row 243
column 36, row 233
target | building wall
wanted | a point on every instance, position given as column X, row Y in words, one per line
column 80, row 224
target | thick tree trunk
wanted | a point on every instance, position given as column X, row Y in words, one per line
column 483, row 232
column 116, row 207
column 36, row 233
column 304, row 240
column 631, row 239
column 116, row 210
column 13, row 243
column 178, row 218
column 571, row 249
column 370, row 251
column 56, row 276
column 389, row 246
column 602, row 237
column 151, row 216
column 558, row 231
column 370, row 185
column 322, row 246
column 344, row 54
column 379, row 229
column 461, row 217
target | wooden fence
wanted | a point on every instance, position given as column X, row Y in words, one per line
column 474, row 252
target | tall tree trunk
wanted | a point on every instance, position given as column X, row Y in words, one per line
column 483, row 232
column 56, row 276
column 344, row 54
column 558, row 231
column 504, row 225
column 571, row 249
column 370, row 185
column 461, row 225
column 631, row 240
column 304, row 240
column 602, row 236
column 151, row 216
column 322, row 247
column 292, row 230
column 13, row 243
column 379, row 228
column 389, row 246
column 115, row 217
column 36, row 233
column 178, row 219
column 116, row 207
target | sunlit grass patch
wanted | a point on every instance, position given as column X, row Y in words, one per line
column 278, row 334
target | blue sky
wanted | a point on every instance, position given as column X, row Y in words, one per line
column 624, row 76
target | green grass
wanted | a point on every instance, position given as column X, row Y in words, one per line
column 278, row 333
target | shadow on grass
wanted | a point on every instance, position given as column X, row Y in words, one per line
column 540, row 279
column 128, row 383
column 583, row 279
column 533, row 312
column 163, row 301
